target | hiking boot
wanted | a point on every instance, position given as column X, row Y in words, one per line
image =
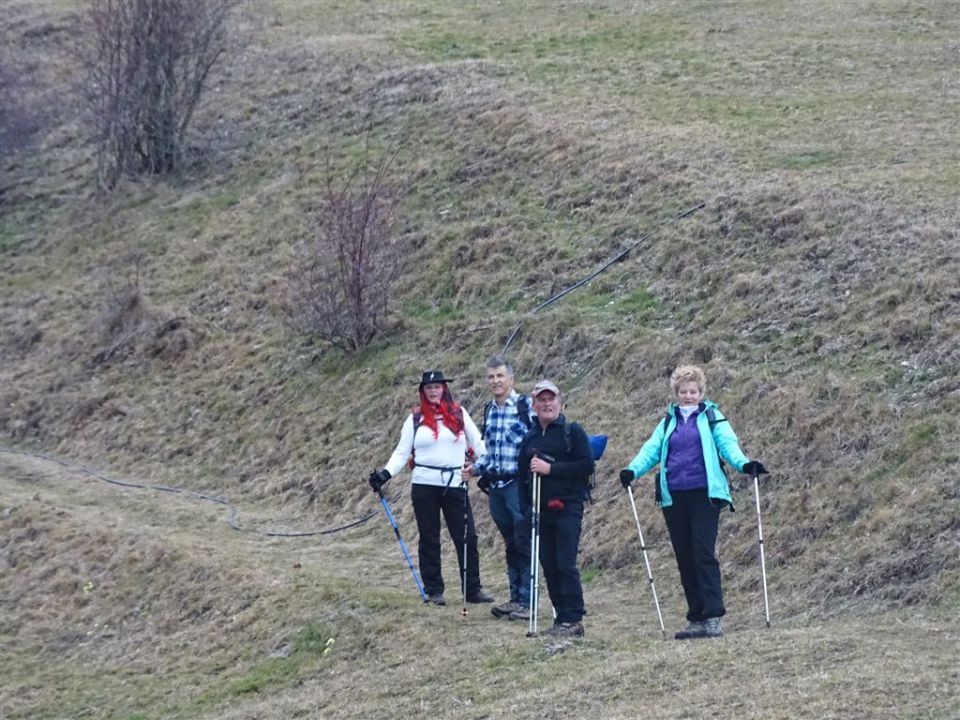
column 505, row 609
column 694, row 629
column 712, row 628
column 479, row 596
column 521, row 613
column 437, row 599
column 574, row 629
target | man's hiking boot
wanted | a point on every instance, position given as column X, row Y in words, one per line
column 694, row 629
column 712, row 628
column 437, row 599
column 521, row 613
column 506, row 608
column 479, row 596
column 574, row 629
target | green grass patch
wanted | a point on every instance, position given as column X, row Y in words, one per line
column 590, row 574
column 311, row 645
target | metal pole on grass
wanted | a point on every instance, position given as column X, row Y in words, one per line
column 466, row 518
column 646, row 560
column 534, row 557
column 763, row 563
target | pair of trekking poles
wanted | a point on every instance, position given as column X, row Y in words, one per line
column 646, row 560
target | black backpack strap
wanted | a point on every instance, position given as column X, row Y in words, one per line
column 523, row 410
column 486, row 414
column 712, row 418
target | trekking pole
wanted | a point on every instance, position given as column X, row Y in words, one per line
column 534, row 557
column 763, row 564
column 403, row 546
column 466, row 517
column 646, row 560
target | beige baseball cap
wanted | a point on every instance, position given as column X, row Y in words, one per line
column 543, row 386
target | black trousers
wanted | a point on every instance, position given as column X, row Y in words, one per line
column 559, row 543
column 429, row 501
column 692, row 522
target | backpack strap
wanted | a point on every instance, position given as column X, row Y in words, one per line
column 523, row 410
column 486, row 414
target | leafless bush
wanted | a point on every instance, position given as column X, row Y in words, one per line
column 124, row 315
column 340, row 291
column 146, row 63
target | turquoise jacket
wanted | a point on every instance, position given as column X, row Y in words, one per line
column 723, row 438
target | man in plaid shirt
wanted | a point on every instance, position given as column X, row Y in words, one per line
column 507, row 418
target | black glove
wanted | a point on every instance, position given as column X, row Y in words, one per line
column 378, row 479
column 626, row 477
column 484, row 484
column 755, row 468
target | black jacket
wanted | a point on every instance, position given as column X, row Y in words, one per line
column 570, row 469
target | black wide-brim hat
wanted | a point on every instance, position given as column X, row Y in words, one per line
column 433, row 376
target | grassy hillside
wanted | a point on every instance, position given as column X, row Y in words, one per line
column 818, row 287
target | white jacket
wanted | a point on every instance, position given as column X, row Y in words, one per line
column 444, row 451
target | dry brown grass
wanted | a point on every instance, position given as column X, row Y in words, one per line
column 112, row 598
column 817, row 287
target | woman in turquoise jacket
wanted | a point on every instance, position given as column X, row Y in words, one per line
column 691, row 490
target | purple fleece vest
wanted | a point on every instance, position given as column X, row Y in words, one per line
column 685, row 467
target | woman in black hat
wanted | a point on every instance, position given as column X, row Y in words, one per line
column 435, row 438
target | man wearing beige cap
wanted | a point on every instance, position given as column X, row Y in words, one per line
column 559, row 452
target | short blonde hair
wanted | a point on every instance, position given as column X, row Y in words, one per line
column 686, row 373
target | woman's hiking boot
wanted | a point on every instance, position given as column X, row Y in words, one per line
column 694, row 629
column 436, row 599
column 479, row 596
column 712, row 628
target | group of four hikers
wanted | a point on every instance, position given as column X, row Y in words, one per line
column 522, row 436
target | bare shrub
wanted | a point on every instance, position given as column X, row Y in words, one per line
column 339, row 291
column 124, row 315
column 146, row 63
column 129, row 326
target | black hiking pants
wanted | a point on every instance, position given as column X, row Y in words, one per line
column 692, row 522
column 429, row 502
column 559, row 543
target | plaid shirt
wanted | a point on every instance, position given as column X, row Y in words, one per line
column 502, row 436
